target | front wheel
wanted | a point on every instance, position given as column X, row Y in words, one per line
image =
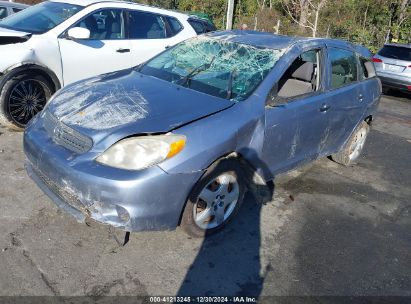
column 22, row 97
column 215, row 199
column 353, row 148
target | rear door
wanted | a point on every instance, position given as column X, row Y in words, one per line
column 345, row 96
column 107, row 50
column 150, row 35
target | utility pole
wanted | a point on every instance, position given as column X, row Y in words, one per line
column 230, row 15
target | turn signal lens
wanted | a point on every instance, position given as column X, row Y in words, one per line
column 176, row 147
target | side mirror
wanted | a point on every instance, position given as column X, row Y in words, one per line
column 78, row 33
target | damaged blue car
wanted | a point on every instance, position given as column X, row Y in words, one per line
column 172, row 141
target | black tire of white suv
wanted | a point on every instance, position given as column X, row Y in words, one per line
column 22, row 97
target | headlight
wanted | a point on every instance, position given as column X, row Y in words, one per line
column 137, row 153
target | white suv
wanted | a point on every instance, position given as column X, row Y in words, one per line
column 55, row 43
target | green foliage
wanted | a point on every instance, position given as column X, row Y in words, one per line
column 367, row 22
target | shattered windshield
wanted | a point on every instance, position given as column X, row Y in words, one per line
column 214, row 66
column 40, row 18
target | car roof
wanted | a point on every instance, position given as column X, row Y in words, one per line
column 126, row 3
column 274, row 41
column 84, row 2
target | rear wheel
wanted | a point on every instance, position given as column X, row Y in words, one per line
column 214, row 200
column 22, row 97
column 353, row 148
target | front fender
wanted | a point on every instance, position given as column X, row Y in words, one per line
column 237, row 129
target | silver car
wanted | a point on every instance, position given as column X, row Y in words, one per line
column 393, row 66
column 8, row 8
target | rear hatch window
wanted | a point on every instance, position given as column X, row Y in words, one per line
column 396, row 52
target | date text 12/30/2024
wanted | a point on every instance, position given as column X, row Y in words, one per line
column 202, row 300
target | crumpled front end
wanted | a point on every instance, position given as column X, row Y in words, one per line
column 150, row 199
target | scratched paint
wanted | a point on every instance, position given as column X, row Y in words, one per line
column 97, row 105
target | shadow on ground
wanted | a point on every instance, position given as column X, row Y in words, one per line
column 228, row 263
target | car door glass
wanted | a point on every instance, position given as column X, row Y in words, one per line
column 146, row 26
column 16, row 10
column 366, row 69
column 104, row 25
column 197, row 26
column 175, row 26
column 3, row 12
column 301, row 78
column 343, row 67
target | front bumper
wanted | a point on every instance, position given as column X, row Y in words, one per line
column 149, row 199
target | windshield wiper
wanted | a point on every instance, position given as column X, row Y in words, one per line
column 184, row 81
column 230, row 84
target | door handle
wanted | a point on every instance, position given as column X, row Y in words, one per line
column 123, row 51
column 167, row 47
column 324, row 108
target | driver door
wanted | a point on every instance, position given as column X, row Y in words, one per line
column 106, row 50
column 296, row 115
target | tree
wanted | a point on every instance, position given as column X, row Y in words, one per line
column 305, row 9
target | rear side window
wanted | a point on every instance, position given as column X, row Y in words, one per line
column 343, row 67
column 175, row 26
column 3, row 12
column 367, row 69
column 197, row 26
column 16, row 10
column 146, row 26
column 396, row 52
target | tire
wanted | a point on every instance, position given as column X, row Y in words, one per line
column 222, row 180
column 22, row 97
column 353, row 148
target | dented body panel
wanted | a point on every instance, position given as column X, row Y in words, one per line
column 111, row 107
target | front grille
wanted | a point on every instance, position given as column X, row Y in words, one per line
column 66, row 196
column 66, row 136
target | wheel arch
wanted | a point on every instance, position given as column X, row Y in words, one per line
column 32, row 67
column 251, row 173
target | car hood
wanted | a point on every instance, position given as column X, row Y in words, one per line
column 127, row 103
column 11, row 36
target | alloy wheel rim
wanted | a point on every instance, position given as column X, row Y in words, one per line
column 216, row 202
column 358, row 144
column 26, row 99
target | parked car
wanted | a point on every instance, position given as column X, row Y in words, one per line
column 8, row 8
column 58, row 42
column 393, row 65
column 167, row 143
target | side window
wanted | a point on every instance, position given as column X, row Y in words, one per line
column 16, row 10
column 104, row 25
column 146, row 26
column 175, row 26
column 367, row 69
column 197, row 26
column 343, row 67
column 3, row 12
column 302, row 77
